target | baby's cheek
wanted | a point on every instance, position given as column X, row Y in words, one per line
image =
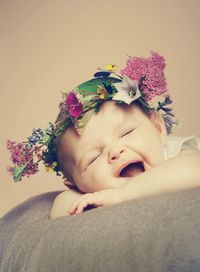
column 90, row 181
column 81, row 181
column 102, row 171
column 99, row 177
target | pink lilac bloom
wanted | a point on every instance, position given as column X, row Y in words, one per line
column 21, row 154
column 151, row 70
column 9, row 144
column 38, row 153
column 74, row 106
column 10, row 169
column 31, row 169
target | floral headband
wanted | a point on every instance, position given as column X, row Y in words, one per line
column 142, row 79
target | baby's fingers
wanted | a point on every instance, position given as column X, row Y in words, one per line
column 78, row 208
column 80, row 204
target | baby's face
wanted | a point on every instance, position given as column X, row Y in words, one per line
column 117, row 144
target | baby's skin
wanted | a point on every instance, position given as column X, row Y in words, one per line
column 119, row 157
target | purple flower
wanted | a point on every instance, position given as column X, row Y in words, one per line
column 74, row 106
column 10, row 169
column 149, row 72
column 32, row 140
column 20, row 153
column 22, row 156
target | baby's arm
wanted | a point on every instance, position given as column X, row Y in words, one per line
column 175, row 174
column 63, row 202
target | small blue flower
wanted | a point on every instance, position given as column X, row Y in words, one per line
column 38, row 134
column 32, row 140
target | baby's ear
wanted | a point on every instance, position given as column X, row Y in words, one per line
column 70, row 184
column 159, row 123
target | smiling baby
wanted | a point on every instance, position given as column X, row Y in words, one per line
column 111, row 141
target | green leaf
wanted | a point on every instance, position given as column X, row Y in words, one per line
column 145, row 104
column 18, row 172
column 107, row 79
column 92, row 85
column 46, row 139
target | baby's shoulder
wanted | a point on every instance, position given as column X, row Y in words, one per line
column 176, row 145
column 63, row 202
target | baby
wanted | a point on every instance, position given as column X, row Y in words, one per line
column 120, row 156
column 111, row 140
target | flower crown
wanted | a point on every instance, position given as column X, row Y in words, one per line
column 142, row 79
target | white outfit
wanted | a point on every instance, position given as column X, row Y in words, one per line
column 175, row 144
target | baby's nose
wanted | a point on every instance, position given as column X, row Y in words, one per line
column 115, row 153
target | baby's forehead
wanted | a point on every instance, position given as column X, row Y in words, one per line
column 112, row 113
column 109, row 119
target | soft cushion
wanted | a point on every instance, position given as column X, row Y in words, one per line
column 158, row 233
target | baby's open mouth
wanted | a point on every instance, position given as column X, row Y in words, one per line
column 132, row 169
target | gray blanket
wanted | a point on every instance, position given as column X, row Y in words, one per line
column 159, row 233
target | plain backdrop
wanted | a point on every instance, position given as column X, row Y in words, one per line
column 48, row 46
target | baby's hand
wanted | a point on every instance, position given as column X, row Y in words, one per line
column 97, row 199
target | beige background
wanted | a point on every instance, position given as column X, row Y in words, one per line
column 46, row 46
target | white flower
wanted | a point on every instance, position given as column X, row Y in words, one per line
column 128, row 90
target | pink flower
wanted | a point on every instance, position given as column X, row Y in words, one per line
column 149, row 72
column 9, row 144
column 74, row 106
column 31, row 169
column 10, row 170
column 22, row 155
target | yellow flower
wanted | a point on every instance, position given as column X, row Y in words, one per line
column 49, row 168
column 54, row 164
column 101, row 92
column 110, row 67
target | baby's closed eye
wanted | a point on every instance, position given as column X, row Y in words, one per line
column 93, row 159
column 126, row 132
